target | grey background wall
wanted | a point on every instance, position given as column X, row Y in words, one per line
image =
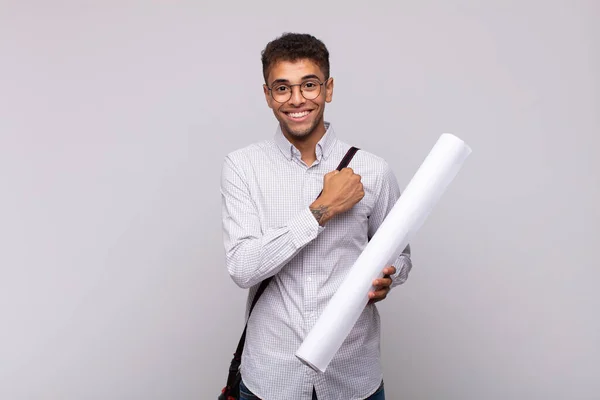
column 114, row 120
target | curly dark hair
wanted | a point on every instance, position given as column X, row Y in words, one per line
column 293, row 47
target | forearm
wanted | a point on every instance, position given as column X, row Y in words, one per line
column 388, row 195
column 251, row 258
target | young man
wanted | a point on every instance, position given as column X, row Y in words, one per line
column 274, row 225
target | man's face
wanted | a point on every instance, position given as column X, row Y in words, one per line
column 298, row 116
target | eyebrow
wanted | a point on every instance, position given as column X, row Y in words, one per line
column 311, row 76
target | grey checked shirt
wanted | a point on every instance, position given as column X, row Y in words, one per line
column 269, row 231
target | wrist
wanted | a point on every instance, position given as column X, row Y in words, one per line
column 322, row 211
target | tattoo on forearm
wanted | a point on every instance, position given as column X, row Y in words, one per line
column 319, row 212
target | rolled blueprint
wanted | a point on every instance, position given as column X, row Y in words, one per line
column 408, row 214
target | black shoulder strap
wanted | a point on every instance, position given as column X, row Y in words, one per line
column 237, row 357
column 347, row 158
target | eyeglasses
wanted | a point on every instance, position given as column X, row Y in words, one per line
column 310, row 90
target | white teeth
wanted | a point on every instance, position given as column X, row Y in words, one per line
column 298, row 115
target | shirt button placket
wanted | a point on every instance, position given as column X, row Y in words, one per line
column 310, row 291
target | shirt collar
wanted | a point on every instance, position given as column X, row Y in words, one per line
column 324, row 146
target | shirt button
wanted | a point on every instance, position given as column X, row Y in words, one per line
column 309, row 279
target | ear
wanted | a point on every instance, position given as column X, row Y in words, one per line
column 267, row 95
column 329, row 90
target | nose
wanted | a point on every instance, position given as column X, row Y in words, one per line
column 296, row 98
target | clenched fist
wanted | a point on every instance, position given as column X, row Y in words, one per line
column 341, row 191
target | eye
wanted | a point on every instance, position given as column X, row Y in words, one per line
column 310, row 86
column 281, row 88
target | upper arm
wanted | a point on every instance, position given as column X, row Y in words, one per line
column 239, row 211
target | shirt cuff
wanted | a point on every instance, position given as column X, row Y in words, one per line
column 403, row 266
column 304, row 228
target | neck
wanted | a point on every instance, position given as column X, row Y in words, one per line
column 307, row 145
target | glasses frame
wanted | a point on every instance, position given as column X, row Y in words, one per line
column 301, row 92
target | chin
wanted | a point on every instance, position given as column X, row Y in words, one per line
column 299, row 132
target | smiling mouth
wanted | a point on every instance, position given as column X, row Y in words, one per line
column 298, row 116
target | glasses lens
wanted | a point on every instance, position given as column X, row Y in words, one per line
column 311, row 89
column 281, row 93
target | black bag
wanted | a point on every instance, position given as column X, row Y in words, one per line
column 231, row 391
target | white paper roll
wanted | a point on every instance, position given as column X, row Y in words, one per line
column 408, row 214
